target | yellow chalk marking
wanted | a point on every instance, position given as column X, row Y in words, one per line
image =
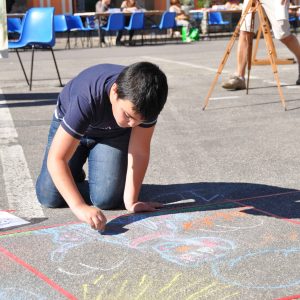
column 142, row 292
column 201, row 291
column 170, row 284
column 98, row 279
column 85, row 290
column 107, row 282
column 229, row 296
column 122, row 289
column 218, row 289
column 187, row 287
column 142, row 280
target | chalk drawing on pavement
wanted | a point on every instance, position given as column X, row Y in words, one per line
column 262, row 269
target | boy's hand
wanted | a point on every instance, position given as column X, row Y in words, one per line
column 91, row 215
column 144, row 207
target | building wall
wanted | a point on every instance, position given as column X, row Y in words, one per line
column 71, row 6
column 61, row 6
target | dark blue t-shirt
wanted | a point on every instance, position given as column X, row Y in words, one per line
column 84, row 105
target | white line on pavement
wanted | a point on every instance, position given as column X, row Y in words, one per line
column 182, row 63
column 229, row 97
column 19, row 187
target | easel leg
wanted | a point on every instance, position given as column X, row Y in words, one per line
column 249, row 51
column 271, row 50
column 227, row 53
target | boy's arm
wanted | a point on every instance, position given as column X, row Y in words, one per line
column 61, row 151
column 138, row 159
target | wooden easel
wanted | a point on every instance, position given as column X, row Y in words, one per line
column 252, row 7
column 261, row 61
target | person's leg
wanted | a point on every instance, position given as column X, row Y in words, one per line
column 131, row 33
column 242, row 52
column 293, row 45
column 107, row 171
column 281, row 28
column 46, row 191
column 237, row 81
column 119, row 37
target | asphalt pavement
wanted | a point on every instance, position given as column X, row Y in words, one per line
column 228, row 178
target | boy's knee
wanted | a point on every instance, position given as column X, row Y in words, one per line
column 51, row 202
column 49, row 197
column 111, row 201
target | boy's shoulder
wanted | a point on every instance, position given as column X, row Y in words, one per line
column 103, row 69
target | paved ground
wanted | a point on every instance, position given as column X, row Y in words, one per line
column 228, row 176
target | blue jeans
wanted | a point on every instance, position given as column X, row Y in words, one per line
column 107, row 166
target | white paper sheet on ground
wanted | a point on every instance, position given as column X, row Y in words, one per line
column 8, row 220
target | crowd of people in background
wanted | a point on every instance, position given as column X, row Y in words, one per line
column 183, row 19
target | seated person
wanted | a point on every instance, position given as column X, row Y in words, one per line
column 232, row 4
column 217, row 4
column 127, row 6
column 101, row 7
column 182, row 19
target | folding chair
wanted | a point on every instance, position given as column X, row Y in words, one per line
column 37, row 32
column 60, row 26
column 137, row 22
column 75, row 25
column 115, row 22
column 167, row 21
column 215, row 19
column 14, row 25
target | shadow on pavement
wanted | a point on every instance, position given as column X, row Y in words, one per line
column 29, row 99
column 255, row 199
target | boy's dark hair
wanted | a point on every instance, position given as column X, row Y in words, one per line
column 145, row 85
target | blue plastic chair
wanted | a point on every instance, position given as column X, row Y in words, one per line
column 14, row 25
column 137, row 22
column 116, row 22
column 60, row 26
column 215, row 18
column 167, row 21
column 38, row 32
column 75, row 25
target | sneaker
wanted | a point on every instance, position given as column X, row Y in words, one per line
column 234, row 83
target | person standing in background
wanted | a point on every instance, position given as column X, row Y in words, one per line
column 277, row 13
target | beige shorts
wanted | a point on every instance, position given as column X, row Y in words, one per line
column 277, row 15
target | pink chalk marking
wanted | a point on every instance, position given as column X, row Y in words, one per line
column 289, row 297
column 209, row 244
column 38, row 228
column 265, row 196
column 37, row 273
column 270, row 214
column 146, row 238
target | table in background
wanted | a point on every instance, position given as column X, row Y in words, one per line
column 98, row 16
